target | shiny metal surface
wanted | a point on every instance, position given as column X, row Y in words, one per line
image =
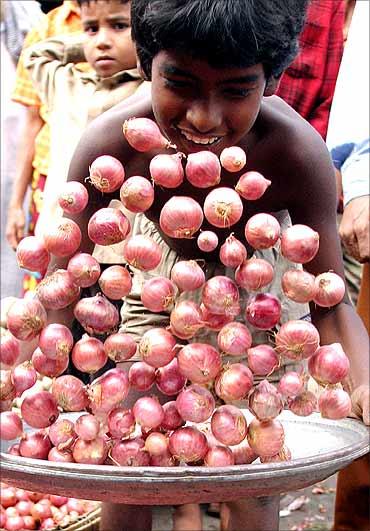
column 319, row 447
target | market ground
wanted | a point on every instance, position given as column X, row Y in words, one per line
column 309, row 509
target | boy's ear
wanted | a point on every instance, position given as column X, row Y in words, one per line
column 271, row 86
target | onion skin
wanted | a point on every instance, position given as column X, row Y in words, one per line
column 266, row 438
column 297, row 340
column 64, row 238
column 172, row 419
column 223, row 207
column 9, row 349
column 233, row 252
column 120, row 347
column 73, row 198
column 284, row 455
column 26, row 319
column 234, row 339
column 157, row 347
column 330, row 289
column 90, row 452
column 199, row 362
column 115, row 282
column 195, row 403
column 57, row 290
column 11, row 426
column 243, row 453
column 108, row 226
column 263, row 311
column 234, row 382
column 233, row 159
column 329, row 364
column 107, row 391
column 70, row 393
column 87, row 427
column 299, row 244
column 228, row 425
column 24, row 377
column 262, row 231
column 84, row 269
column 137, row 194
column 303, row 404
column 7, row 389
column 144, row 135
column 203, row 169
column 214, row 321
column 291, row 384
column 107, row 174
column 142, row 252
column 254, row 274
column 88, row 354
column 207, row 241
column 333, row 404
column 219, row 456
column 35, row 445
column 141, row 376
column 188, row 444
column 167, row 170
column 148, row 412
column 262, row 360
column 181, row 217
column 298, row 285
column 130, row 453
column 32, row 254
column 186, row 319
column 252, row 185
column 187, row 275
column 265, row 401
column 56, row 340
column 39, row 409
column 221, row 296
column 158, row 294
column 169, row 380
column 62, row 433
column 96, row 314
column 121, row 422
column 48, row 367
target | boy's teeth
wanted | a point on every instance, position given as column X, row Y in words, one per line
column 202, row 141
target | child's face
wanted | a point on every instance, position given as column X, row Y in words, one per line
column 108, row 47
column 199, row 107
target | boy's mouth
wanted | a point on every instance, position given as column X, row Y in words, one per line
column 203, row 141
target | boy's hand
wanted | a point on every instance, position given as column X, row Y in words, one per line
column 354, row 228
column 360, row 404
column 15, row 226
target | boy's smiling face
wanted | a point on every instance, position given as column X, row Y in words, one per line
column 199, row 107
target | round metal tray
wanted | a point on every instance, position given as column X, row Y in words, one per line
column 319, row 447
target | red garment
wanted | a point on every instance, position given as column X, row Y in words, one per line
column 308, row 83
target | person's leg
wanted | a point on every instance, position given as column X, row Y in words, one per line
column 253, row 514
column 187, row 517
column 118, row 517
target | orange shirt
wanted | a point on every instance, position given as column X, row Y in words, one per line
column 62, row 20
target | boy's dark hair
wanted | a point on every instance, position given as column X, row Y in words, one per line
column 235, row 33
column 81, row 2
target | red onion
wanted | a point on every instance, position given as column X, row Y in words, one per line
column 62, row 433
column 106, row 174
column 96, row 314
column 188, row 444
column 262, row 360
column 186, row 319
column 14, row 523
column 333, row 404
column 55, row 340
column 265, row 401
column 108, row 226
column 167, row 170
column 39, row 409
column 26, row 319
column 109, row 390
column 214, row 321
column 64, row 238
column 121, row 423
column 329, row 364
column 130, row 453
column 232, row 252
column 90, row 452
column 9, row 349
column 207, row 241
column 187, row 275
column 298, row 285
column 203, row 169
column 35, row 445
column 303, row 404
column 165, row 459
column 299, row 243
column 8, row 497
column 254, row 274
column 24, row 507
column 11, row 426
column 228, row 425
column 221, row 295
column 88, row 354
column 234, row 339
column 291, row 384
column 158, row 294
column 195, row 403
column 58, row 290
column 7, row 389
column 157, row 347
column 181, row 217
column 60, row 456
column 199, row 362
column 252, row 185
column 142, row 252
column 24, row 376
column 6, row 303
column 84, row 269
column 70, row 393
column 243, row 453
column 120, row 347
column 14, row 450
column 141, row 376
column 262, row 231
column 87, row 427
column 48, row 367
column 169, row 380
column 137, row 194
column 219, row 456
column 234, row 382
column 263, row 311
column 266, row 438
column 223, row 207
column 144, row 135
column 330, row 289
column 148, row 412
column 58, row 501
column 297, row 340
column 115, row 282
column 73, row 198
column 233, row 159
column 32, row 254
column 156, row 443
column 172, row 418
column 284, row 455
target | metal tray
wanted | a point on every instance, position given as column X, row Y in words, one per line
column 319, row 447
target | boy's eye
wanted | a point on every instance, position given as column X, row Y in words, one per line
column 238, row 93
column 91, row 29
column 176, row 83
column 120, row 25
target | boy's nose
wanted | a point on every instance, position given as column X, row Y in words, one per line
column 103, row 40
column 204, row 116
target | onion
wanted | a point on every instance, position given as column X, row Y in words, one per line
column 55, row 340
column 73, row 198
column 96, row 314
column 299, row 243
column 48, row 367
column 291, row 384
column 9, row 349
column 35, row 445
column 265, row 401
column 330, row 289
column 232, row 252
column 64, row 238
column 214, row 321
column 223, row 207
column 88, row 354
column 148, row 412
column 115, row 282
column 252, row 185
column 233, row 159
column 195, row 403
column 158, row 294
column 7, row 389
column 283, row 455
column 203, row 169
column 24, row 377
column 219, row 456
column 303, row 404
column 144, row 135
column 243, row 453
column 199, row 362
column 87, row 427
column 228, row 425
column 262, row 231
column 186, row 319
column 164, row 459
column 221, row 295
column 181, row 217
column 24, row 507
column 157, row 347
column 14, row 450
column 137, row 194
column 142, row 252
column 298, row 285
column 172, row 418
column 234, row 382
column 207, row 241
column 187, row 275
column 32, row 254
column 141, row 376
column 262, row 360
column 60, row 456
column 11, row 426
column 329, row 364
column 169, row 380
column 167, row 170
column 121, row 422
column 130, row 453
column 90, row 452
column 84, row 269
column 108, row 226
column 297, row 340
column 62, row 433
column 120, row 347
column 188, row 444
column 6, row 304
column 58, row 290
column 8, row 497
column 58, row 501
column 39, row 409
column 156, row 444
column 263, row 311
column 14, row 523
column 106, row 174
column 26, row 319
column 266, row 438
column 254, row 274
column 234, row 339
column 333, row 404
column 109, row 390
